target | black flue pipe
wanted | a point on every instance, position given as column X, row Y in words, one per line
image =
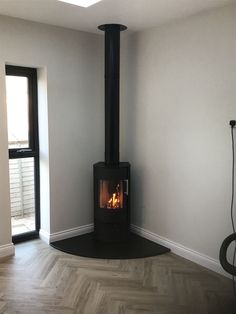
column 112, row 91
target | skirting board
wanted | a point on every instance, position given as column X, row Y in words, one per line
column 7, row 250
column 182, row 251
column 65, row 234
column 176, row 248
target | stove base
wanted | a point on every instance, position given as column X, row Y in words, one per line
column 87, row 246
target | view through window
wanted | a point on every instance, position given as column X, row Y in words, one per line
column 21, row 97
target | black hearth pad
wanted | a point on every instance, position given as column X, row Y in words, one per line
column 85, row 245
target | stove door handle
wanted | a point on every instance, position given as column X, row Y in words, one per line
column 127, row 187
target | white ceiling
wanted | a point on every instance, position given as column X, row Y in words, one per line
column 136, row 14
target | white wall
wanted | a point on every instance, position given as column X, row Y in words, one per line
column 70, row 65
column 179, row 84
column 5, row 217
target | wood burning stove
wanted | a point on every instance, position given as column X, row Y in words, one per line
column 111, row 202
column 112, row 177
column 111, row 237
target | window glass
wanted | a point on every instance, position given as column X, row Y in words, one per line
column 22, row 195
column 17, row 111
column 111, row 194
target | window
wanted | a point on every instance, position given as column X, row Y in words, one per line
column 23, row 145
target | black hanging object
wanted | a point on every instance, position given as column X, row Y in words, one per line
column 223, row 255
column 231, row 269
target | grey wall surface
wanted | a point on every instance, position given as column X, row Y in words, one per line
column 179, row 95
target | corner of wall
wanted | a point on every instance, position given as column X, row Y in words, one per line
column 44, row 153
column 7, row 250
column 5, row 213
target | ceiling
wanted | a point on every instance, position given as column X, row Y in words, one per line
column 136, row 14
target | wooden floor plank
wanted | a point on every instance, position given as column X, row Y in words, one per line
column 42, row 280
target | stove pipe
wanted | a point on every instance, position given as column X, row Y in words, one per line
column 112, row 91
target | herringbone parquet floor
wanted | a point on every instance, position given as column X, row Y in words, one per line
column 40, row 280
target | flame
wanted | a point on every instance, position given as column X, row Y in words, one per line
column 114, row 201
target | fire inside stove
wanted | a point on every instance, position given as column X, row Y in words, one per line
column 114, row 201
column 111, row 194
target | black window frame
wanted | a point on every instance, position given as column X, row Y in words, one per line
column 31, row 74
column 33, row 149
